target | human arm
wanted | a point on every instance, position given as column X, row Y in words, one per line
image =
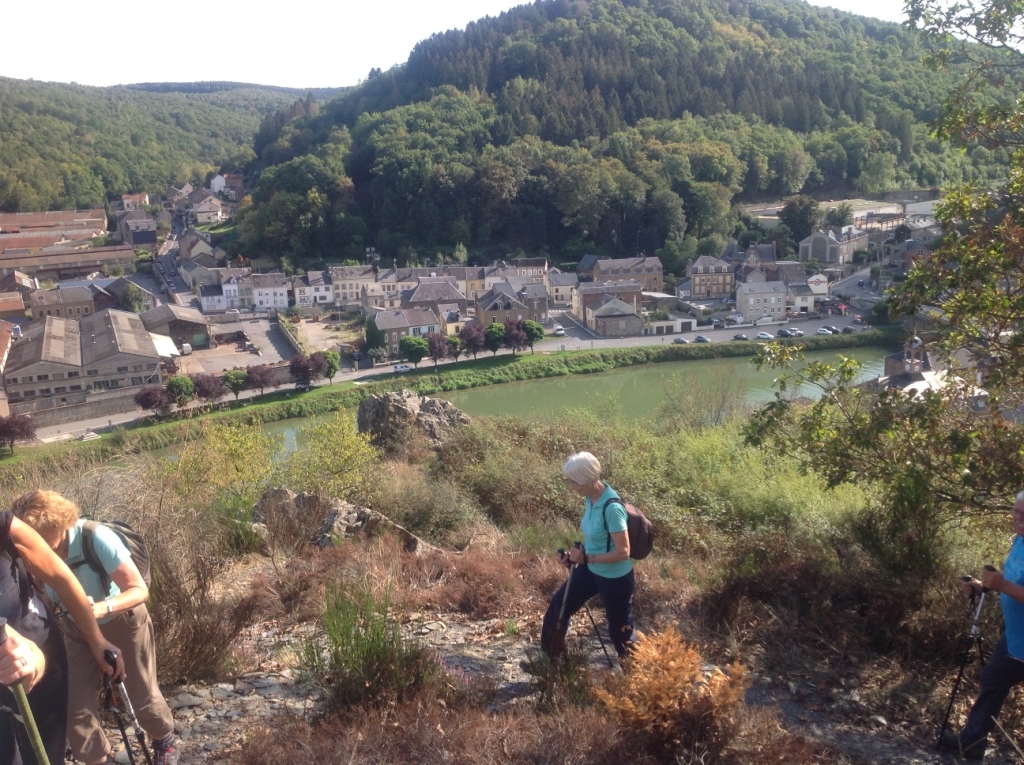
column 21, row 660
column 619, row 551
column 43, row 562
column 134, row 591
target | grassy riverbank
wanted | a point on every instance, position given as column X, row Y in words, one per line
column 160, row 432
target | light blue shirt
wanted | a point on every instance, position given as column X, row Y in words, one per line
column 1013, row 611
column 110, row 551
column 596, row 536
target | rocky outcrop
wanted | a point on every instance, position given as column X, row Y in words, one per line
column 387, row 417
column 308, row 519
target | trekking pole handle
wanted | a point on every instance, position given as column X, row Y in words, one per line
column 111, row 658
column 3, row 630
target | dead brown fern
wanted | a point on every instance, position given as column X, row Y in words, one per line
column 671, row 704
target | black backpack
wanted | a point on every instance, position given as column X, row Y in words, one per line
column 639, row 530
column 132, row 540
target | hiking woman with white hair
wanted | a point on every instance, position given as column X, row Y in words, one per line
column 602, row 565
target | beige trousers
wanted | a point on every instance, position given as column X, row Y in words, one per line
column 132, row 632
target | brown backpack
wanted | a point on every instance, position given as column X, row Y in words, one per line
column 638, row 528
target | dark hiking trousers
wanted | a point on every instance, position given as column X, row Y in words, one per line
column 617, row 595
column 999, row 675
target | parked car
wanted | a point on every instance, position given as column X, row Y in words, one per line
column 302, row 387
column 824, row 331
column 717, row 324
column 232, row 312
column 858, row 319
column 784, row 333
column 740, row 337
column 399, row 368
column 559, row 332
column 796, row 333
column 702, row 339
column 764, row 336
column 680, row 341
column 849, row 330
column 833, row 330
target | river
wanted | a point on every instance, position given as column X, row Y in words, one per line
column 631, row 392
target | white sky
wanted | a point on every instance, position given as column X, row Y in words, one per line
column 301, row 43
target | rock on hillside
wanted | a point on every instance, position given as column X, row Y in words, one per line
column 388, row 416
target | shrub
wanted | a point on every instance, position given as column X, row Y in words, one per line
column 366, row 662
column 669, row 703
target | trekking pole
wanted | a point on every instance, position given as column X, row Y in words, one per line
column 973, row 638
column 129, row 710
column 599, row 638
column 18, row 689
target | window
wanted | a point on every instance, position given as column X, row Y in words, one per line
column 41, row 378
column 12, row 380
column 101, row 384
column 74, row 374
column 92, row 372
column 122, row 369
column 76, row 387
column 29, row 394
column 136, row 381
column 60, row 389
column 150, row 366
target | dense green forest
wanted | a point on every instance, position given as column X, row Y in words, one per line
column 569, row 126
column 69, row 146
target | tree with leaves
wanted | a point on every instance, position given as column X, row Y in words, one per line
column 534, row 332
column 16, row 427
column 181, row 389
column 515, row 338
column 438, row 345
column 472, row 337
column 494, row 338
column 260, row 377
column 305, row 369
column 839, row 216
column 331, row 363
column 800, row 215
column 237, row 380
column 454, row 347
column 414, row 348
column 132, row 299
column 209, row 388
column 155, row 399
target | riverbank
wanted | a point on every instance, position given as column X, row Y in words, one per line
column 159, row 432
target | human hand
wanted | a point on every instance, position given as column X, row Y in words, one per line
column 992, row 579
column 576, row 554
column 563, row 557
column 21, row 661
column 115, row 670
column 971, row 587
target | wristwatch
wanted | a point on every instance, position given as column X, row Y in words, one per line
column 110, row 607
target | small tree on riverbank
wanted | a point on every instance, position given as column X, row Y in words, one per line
column 414, row 348
column 494, row 338
column 181, row 389
column 17, row 427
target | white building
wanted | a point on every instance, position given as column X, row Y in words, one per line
column 270, row 291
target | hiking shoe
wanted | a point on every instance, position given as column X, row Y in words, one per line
column 950, row 742
column 165, row 752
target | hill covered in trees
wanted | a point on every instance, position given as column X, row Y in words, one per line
column 70, row 146
column 579, row 125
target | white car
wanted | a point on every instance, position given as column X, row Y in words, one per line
column 559, row 332
column 824, row 331
column 399, row 368
column 764, row 336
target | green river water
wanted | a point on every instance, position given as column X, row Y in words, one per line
column 632, row 392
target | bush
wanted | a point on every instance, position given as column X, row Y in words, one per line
column 670, row 705
column 366, row 662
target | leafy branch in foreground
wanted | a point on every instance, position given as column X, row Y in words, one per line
column 940, row 454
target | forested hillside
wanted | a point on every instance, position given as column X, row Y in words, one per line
column 569, row 126
column 69, row 146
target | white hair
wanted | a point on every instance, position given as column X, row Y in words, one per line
column 582, row 468
column 1020, row 496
